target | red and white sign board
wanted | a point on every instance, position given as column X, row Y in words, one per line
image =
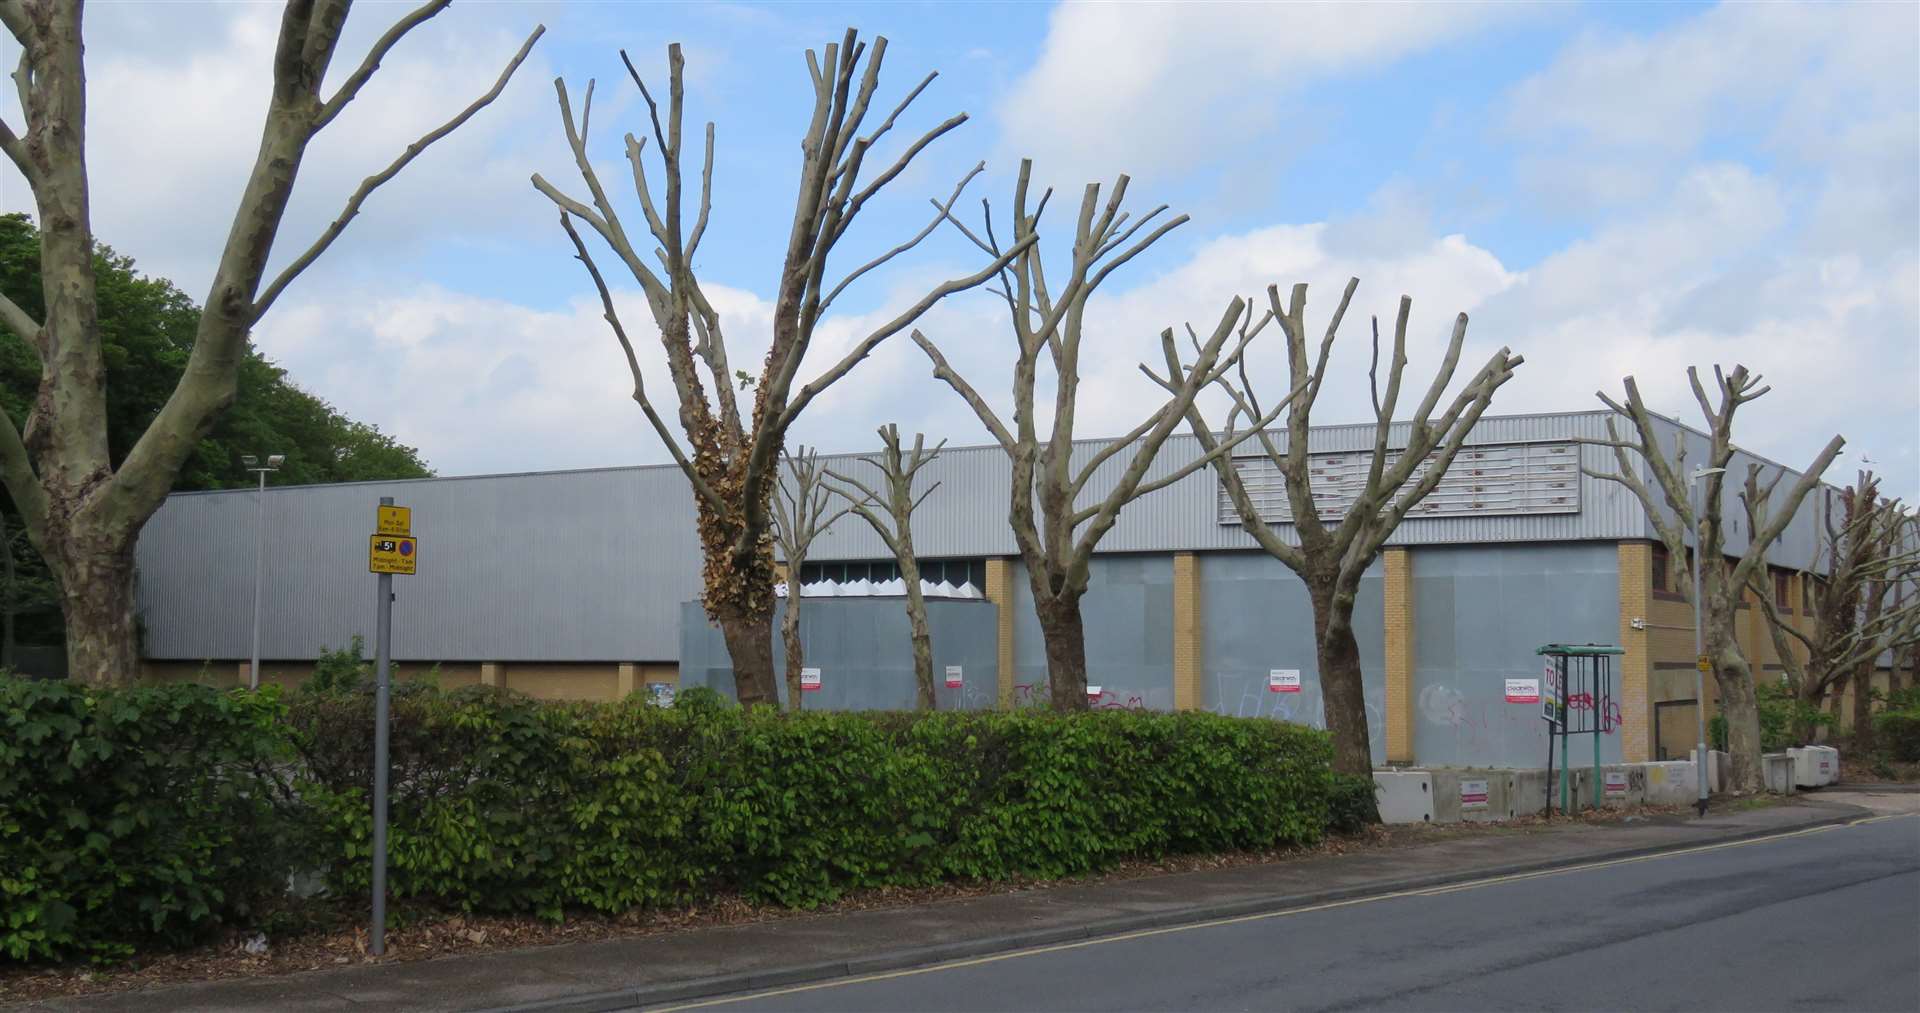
column 1616, row 782
column 1473, row 794
column 953, row 676
column 1283, row 680
column 1523, row 691
column 1093, row 692
column 809, row 679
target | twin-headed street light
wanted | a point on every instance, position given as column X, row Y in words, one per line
column 252, row 463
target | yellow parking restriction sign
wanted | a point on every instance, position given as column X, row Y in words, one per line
column 390, row 554
column 394, row 520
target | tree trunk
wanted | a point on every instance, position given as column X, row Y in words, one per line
column 96, row 591
column 1741, row 709
column 1809, row 695
column 1341, row 686
column 750, row 646
column 790, row 642
column 922, row 641
column 1065, row 638
column 1863, row 707
column 10, row 606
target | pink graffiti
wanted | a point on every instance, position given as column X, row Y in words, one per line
column 1108, row 700
column 1611, row 720
column 1023, row 693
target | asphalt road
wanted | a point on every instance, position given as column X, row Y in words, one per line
column 1828, row 920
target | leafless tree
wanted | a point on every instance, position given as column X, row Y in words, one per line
column 1057, row 546
column 1860, row 613
column 799, row 516
column 1721, row 578
column 82, row 513
column 730, row 456
column 1331, row 556
column 895, row 528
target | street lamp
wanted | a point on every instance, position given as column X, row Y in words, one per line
column 252, row 463
column 1701, row 756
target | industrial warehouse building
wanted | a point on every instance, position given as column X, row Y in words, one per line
column 579, row 584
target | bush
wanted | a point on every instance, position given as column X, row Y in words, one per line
column 146, row 817
column 1899, row 734
column 134, row 817
column 503, row 804
column 1782, row 713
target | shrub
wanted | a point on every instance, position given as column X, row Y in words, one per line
column 1899, row 734
column 504, row 804
column 134, row 817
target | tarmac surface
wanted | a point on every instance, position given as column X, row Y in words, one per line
column 1823, row 920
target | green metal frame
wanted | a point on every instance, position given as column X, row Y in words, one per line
column 1581, row 671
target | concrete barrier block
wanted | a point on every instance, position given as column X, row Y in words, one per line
column 1670, row 782
column 1406, row 796
column 1778, row 768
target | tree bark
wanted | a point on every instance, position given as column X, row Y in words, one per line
column 97, row 600
column 750, row 646
column 1064, row 636
column 1337, row 653
column 790, row 641
column 922, row 640
column 1863, row 707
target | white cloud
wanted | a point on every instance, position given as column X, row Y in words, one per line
column 1145, row 88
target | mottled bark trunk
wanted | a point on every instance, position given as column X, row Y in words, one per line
column 1809, row 695
column 750, row 646
column 1341, row 686
column 791, row 644
column 96, row 597
column 1863, row 707
column 922, row 641
column 1065, row 639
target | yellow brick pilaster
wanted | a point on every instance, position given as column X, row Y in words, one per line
column 628, row 680
column 489, row 673
column 1186, row 632
column 1399, row 643
column 1000, row 593
column 1636, row 666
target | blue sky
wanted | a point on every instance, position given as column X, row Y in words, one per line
column 1606, row 188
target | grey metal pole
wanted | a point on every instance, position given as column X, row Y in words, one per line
column 259, row 556
column 1699, row 651
column 383, row 653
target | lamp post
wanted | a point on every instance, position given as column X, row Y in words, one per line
column 1699, row 639
column 253, row 464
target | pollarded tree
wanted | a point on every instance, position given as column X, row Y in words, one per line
column 1057, row 545
column 1330, row 555
column 82, row 511
column 897, row 503
column 1860, row 612
column 799, row 516
column 1721, row 577
column 730, row 456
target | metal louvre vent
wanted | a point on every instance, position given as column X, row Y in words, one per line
column 1509, row 479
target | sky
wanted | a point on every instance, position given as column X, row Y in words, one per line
column 1607, row 189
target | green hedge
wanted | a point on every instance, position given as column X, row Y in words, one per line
column 1899, row 734
column 504, row 804
column 134, row 818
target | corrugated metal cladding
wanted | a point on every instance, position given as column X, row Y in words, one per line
column 592, row 565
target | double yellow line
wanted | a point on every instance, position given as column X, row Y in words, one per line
column 1265, row 915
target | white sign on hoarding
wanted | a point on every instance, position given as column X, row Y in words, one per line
column 1283, row 680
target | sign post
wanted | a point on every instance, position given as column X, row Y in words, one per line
column 392, row 549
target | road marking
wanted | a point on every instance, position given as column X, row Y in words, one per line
column 1263, row 916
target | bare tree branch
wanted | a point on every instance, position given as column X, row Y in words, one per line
column 361, row 74
column 373, row 182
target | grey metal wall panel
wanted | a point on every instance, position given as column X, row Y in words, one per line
column 1479, row 612
column 570, row 566
column 593, row 565
column 862, row 648
column 1128, row 616
column 1255, row 616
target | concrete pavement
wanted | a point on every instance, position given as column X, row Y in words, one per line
column 612, row 974
column 1817, row 921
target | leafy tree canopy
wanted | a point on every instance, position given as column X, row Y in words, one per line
column 146, row 329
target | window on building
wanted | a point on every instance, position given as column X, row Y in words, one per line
column 1660, row 564
column 933, row 571
column 1782, row 589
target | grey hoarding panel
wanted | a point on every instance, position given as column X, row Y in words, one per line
column 1127, row 614
column 1256, row 617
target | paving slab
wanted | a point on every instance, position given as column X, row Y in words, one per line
column 620, row 973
